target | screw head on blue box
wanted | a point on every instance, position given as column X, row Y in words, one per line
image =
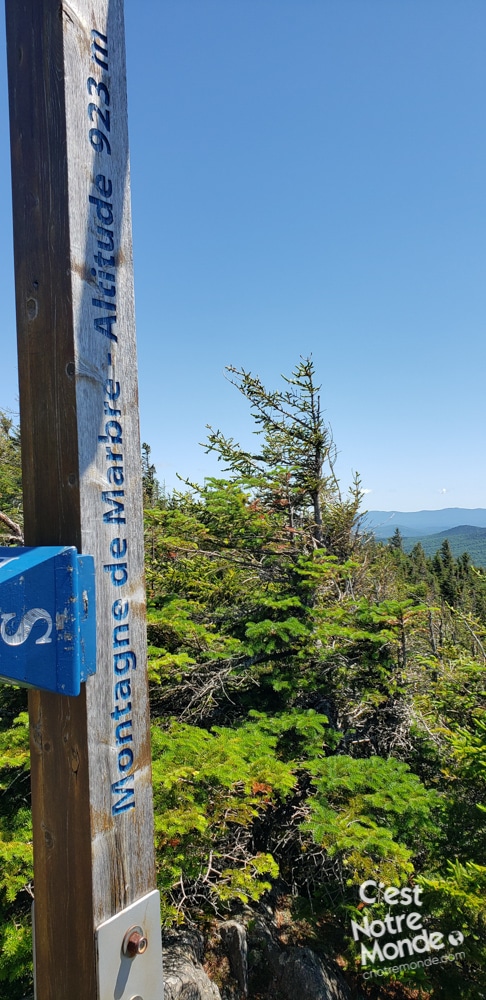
column 47, row 618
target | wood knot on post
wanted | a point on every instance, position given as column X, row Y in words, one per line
column 32, row 308
column 74, row 760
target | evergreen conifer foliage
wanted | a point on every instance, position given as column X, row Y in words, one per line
column 269, row 615
column 16, row 863
column 10, row 483
column 294, row 469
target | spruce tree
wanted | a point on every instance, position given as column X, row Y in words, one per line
column 294, row 470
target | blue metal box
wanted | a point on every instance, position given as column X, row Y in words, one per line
column 47, row 618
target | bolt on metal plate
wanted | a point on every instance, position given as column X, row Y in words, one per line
column 129, row 953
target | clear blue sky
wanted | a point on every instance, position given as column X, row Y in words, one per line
column 308, row 176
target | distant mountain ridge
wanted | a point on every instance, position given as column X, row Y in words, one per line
column 465, row 529
column 383, row 523
column 465, row 538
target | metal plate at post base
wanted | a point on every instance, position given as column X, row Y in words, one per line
column 131, row 973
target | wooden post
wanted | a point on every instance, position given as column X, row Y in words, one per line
column 91, row 771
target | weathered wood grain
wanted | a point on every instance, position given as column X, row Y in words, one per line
column 91, row 777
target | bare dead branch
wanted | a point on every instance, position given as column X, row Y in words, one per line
column 17, row 534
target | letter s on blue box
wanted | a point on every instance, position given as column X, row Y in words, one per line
column 47, row 618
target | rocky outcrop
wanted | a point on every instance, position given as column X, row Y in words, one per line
column 299, row 972
column 184, row 976
column 262, row 966
column 234, row 944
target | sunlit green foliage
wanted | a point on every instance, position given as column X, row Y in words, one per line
column 256, row 604
column 10, row 482
column 16, row 863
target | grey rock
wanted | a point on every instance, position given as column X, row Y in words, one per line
column 263, row 955
column 184, row 976
column 290, row 972
column 235, row 947
column 259, row 964
column 301, row 973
